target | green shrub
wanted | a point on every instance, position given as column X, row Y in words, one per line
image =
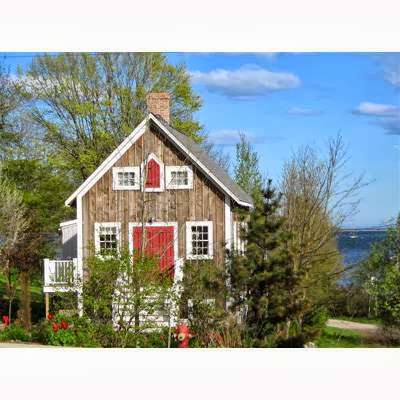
column 15, row 332
column 64, row 337
column 41, row 332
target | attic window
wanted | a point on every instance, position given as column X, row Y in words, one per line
column 179, row 177
column 153, row 174
column 126, row 178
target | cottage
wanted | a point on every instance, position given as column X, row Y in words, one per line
column 159, row 179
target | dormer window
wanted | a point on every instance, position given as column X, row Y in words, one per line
column 179, row 177
column 153, row 174
column 126, row 178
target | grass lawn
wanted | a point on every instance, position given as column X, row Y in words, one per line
column 335, row 337
column 346, row 338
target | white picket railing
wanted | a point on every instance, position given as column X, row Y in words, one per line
column 59, row 272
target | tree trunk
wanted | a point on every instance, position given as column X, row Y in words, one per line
column 25, row 299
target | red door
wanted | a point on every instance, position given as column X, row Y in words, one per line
column 159, row 241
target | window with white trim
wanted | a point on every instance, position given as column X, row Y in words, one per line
column 199, row 240
column 107, row 238
column 126, row 178
column 179, row 177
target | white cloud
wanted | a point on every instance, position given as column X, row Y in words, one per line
column 377, row 110
column 305, row 112
column 245, row 82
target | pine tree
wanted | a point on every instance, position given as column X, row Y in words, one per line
column 263, row 276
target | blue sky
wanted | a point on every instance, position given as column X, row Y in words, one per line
column 285, row 100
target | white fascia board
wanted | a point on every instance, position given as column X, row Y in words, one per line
column 109, row 161
column 199, row 163
column 67, row 223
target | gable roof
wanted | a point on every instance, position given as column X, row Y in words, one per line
column 192, row 150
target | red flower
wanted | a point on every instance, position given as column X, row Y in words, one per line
column 6, row 320
column 50, row 316
column 55, row 327
column 64, row 324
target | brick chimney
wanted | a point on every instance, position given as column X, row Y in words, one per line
column 158, row 104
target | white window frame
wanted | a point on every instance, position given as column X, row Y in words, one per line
column 178, row 168
column 152, row 156
column 239, row 244
column 97, row 227
column 117, row 186
column 189, row 248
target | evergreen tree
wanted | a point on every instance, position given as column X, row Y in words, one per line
column 262, row 279
column 247, row 172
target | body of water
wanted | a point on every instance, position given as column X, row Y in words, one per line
column 356, row 245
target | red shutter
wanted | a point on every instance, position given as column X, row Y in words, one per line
column 159, row 242
column 153, row 174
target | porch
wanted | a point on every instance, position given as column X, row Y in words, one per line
column 60, row 275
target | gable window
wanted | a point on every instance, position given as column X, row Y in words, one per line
column 107, row 238
column 126, row 178
column 153, row 174
column 179, row 177
column 199, row 240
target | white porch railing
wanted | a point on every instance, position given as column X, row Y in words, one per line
column 59, row 275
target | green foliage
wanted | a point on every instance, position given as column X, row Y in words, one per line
column 44, row 189
column 263, row 281
column 119, row 289
column 15, row 332
column 88, row 103
column 204, row 296
column 247, row 172
column 379, row 277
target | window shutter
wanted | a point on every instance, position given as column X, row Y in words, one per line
column 153, row 174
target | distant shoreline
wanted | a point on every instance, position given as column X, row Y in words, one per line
column 383, row 229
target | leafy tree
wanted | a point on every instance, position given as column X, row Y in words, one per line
column 9, row 103
column 14, row 224
column 379, row 276
column 43, row 190
column 263, row 281
column 88, row 103
column 246, row 171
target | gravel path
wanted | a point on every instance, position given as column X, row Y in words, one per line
column 365, row 329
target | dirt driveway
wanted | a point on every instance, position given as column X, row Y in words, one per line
column 364, row 329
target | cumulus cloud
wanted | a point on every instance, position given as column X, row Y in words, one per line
column 245, row 82
column 388, row 116
column 377, row 110
column 305, row 112
column 229, row 137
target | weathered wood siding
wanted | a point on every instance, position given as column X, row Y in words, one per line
column 203, row 202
